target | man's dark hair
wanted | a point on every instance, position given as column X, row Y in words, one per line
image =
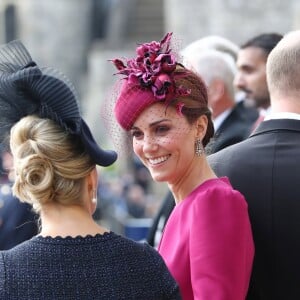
column 265, row 41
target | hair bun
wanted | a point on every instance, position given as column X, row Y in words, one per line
column 35, row 175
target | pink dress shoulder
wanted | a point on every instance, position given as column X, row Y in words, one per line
column 207, row 243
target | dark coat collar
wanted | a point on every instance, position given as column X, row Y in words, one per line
column 277, row 124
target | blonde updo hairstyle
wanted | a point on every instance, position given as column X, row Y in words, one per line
column 50, row 164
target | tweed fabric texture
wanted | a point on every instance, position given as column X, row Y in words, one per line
column 101, row 267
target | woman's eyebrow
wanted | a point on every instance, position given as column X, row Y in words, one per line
column 151, row 124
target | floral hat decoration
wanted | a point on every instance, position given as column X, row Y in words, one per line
column 148, row 78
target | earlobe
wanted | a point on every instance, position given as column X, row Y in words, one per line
column 94, row 199
column 221, row 89
column 217, row 89
column 201, row 125
column 94, row 175
column 92, row 179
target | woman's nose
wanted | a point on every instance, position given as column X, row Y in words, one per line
column 149, row 143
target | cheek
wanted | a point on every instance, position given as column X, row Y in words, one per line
column 137, row 148
column 166, row 142
column 259, row 77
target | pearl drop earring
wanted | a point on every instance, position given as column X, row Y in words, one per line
column 94, row 199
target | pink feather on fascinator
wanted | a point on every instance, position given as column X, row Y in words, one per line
column 148, row 78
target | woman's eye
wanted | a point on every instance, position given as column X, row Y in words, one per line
column 162, row 129
column 136, row 134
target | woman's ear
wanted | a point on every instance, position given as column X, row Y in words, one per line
column 201, row 126
column 94, row 174
column 92, row 179
column 92, row 185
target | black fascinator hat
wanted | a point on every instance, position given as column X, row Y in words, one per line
column 26, row 89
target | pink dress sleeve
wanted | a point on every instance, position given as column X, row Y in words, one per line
column 221, row 258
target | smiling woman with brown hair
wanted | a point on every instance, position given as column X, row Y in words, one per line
column 207, row 242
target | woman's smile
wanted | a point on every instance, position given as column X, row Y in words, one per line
column 158, row 160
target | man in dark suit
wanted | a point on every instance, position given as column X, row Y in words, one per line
column 235, row 127
column 265, row 168
column 213, row 58
column 18, row 222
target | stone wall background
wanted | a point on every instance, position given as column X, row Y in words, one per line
column 236, row 20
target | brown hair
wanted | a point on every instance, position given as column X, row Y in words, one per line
column 196, row 103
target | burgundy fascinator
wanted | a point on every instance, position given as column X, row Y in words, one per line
column 148, row 78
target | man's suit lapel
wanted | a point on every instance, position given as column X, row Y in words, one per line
column 226, row 123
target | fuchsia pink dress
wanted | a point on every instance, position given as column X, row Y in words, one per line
column 207, row 243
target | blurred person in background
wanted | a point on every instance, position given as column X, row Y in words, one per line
column 18, row 222
column 225, row 46
column 135, row 200
column 55, row 158
column 217, row 67
column 251, row 75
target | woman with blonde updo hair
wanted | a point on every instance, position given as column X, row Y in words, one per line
column 46, row 177
column 55, row 158
column 42, row 176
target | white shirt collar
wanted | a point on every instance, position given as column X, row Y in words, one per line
column 282, row 115
column 220, row 118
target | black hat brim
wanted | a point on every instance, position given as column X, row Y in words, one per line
column 101, row 157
